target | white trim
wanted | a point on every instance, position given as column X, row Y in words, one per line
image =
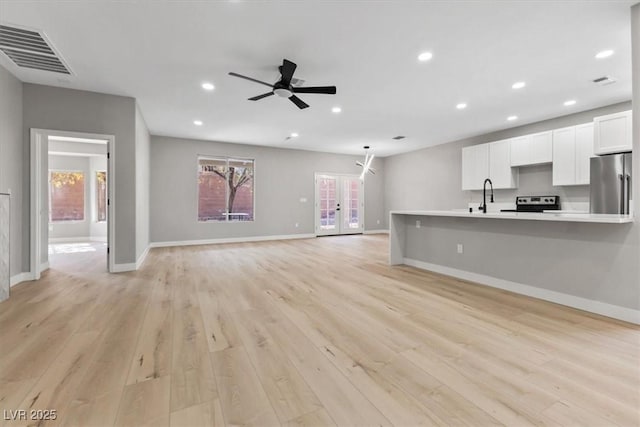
column 44, row 266
column 142, row 257
column 231, row 240
column 592, row 306
column 376, row 231
column 121, row 268
column 19, row 278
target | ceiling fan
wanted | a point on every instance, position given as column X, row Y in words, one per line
column 284, row 88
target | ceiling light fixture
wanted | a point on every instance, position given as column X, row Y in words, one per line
column 425, row 56
column 570, row 103
column 366, row 165
column 294, row 135
column 461, row 106
column 336, row 110
column 604, row 54
column 512, row 118
column 518, row 85
column 197, row 122
column 208, row 86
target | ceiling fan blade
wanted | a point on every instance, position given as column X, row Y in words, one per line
column 251, row 79
column 287, row 69
column 264, row 95
column 299, row 102
column 329, row 90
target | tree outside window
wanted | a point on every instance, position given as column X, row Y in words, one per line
column 101, row 196
column 225, row 189
column 67, row 196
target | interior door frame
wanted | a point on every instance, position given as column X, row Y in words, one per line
column 38, row 209
column 316, row 214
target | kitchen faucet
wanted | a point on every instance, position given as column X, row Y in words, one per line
column 483, row 207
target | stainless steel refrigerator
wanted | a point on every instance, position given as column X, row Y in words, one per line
column 611, row 184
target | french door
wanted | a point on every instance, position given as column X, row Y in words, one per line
column 339, row 207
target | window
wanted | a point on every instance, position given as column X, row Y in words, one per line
column 67, row 196
column 101, row 196
column 225, row 189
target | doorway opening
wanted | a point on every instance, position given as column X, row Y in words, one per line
column 339, row 204
column 72, row 198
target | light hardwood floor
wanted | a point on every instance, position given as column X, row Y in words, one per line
column 307, row 332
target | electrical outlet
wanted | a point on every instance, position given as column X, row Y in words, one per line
column 297, row 225
column 378, row 222
column 418, row 223
column 460, row 248
column 303, row 200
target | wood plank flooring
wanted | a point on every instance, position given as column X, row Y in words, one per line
column 303, row 333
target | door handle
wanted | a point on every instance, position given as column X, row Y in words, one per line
column 622, row 194
column 628, row 201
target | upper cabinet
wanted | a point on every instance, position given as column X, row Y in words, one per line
column 475, row 166
column 572, row 149
column 492, row 160
column 612, row 133
column 532, row 149
column 500, row 171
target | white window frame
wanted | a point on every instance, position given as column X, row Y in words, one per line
column 226, row 159
column 84, row 193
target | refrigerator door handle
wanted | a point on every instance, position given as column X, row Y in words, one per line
column 628, row 193
column 622, row 194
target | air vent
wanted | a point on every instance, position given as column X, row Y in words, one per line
column 29, row 49
column 605, row 80
column 399, row 137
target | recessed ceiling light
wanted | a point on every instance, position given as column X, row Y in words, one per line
column 518, row 85
column 336, row 110
column 512, row 118
column 425, row 56
column 208, row 86
column 294, row 135
column 461, row 106
column 604, row 54
column 197, row 122
column 570, row 102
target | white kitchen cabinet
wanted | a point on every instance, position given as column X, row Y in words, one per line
column 500, row 171
column 564, row 156
column 584, row 152
column 612, row 133
column 475, row 166
column 532, row 149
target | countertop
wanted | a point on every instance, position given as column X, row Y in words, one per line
column 546, row 216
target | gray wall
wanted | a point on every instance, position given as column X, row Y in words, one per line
column 48, row 107
column 73, row 229
column 11, row 165
column 142, row 184
column 432, row 178
column 282, row 177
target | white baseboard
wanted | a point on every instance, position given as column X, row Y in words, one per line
column 121, row 268
column 376, row 231
column 44, row 266
column 142, row 257
column 19, row 278
column 231, row 240
column 597, row 307
column 80, row 239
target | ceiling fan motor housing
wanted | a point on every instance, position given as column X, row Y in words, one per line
column 282, row 90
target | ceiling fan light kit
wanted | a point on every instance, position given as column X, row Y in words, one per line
column 284, row 87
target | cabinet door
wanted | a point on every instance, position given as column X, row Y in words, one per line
column 475, row 166
column 541, row 148
column 613, row 133
column 521, row 150
column 564, row 156
column 584, row 152
column 500, row 171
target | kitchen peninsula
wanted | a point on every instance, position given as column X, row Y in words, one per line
column 552, row 256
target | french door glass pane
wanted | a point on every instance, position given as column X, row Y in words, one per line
column 328, row 203
column 351, row 206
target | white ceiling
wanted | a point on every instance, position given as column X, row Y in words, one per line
column 160, row 53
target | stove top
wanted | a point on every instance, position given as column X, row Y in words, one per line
column 535, row 204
